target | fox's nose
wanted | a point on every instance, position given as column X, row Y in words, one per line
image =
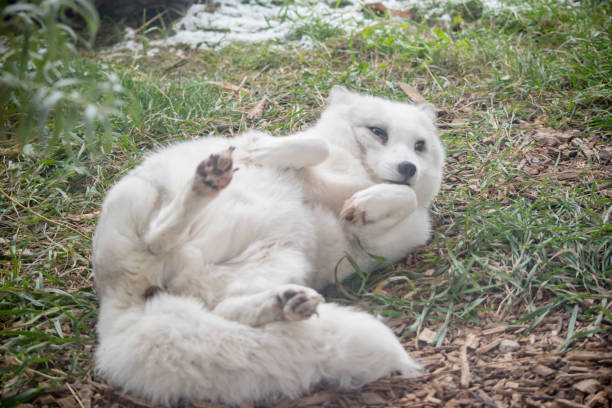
column 406, row 168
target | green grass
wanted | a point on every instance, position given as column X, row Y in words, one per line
column 522, row 229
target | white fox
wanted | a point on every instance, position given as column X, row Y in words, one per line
column 207, row 275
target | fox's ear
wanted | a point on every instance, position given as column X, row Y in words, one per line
column 429, row 109
column 339, row 94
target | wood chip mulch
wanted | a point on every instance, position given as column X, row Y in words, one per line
column 493, row 365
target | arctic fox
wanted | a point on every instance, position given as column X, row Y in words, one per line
column 208, row 254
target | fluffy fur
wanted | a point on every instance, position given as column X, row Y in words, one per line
column 205, row 274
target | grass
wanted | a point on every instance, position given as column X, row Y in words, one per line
column 522, row 228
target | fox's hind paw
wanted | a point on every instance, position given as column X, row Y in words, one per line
column 298, row 302
column 214, row 173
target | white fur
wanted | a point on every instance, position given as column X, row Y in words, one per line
column 236, row 319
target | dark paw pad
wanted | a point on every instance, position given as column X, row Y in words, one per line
column 299, row 304
column 215, row 173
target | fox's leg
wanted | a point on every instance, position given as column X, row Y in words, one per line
column 287, row 152
column 211, row 176
column 286, row 302
column 386, row 221
column 381, row 205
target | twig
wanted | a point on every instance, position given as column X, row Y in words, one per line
column 148, row 23
column 42, row 217
column 176, row 65
column 466, row 377
column 432, row 76
column 75, row 395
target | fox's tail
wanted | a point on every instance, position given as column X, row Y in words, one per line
column 172, row 348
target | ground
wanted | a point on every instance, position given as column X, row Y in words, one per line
column 508, row 305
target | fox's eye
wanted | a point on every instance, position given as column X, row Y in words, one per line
column 419, row 146
column 381, row 134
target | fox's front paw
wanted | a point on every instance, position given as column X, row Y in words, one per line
column 379, row 202
column 214, row 173
column 298, row 302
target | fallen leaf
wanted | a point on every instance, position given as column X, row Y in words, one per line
column 547, row 137
column 429, row 272
column 458, row 122
column 230, row 86
column 406, row 13
column 489, row 139
column 568, row 135
column 605, row 153
column 377, row 7
column 380, row 288
column 541, row 119
column 258, row 110
column 80, row 217
column 411, row 92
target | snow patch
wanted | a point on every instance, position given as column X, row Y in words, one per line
column 205, row 26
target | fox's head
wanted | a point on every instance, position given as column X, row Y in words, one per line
column 395, row 142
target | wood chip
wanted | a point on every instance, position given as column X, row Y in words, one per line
column 372, row 398
column 427, row 336
column 507, row 346
column 543, row 371
column 433, row 400
column 466, row 376
column 512, row 384
column 494, row 330
column 472, row 341
column 564, row 403
column 588, row 386
column 66, row 402
column 284, row 403
column 410, row 91
column 316, row 399
column 488, row 401
column 588, row 355
column 598, row 399
column 488, row 347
